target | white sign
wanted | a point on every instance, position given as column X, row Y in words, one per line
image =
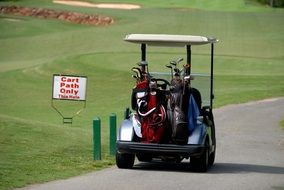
column 67, row 87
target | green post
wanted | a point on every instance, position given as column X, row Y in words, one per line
column 112, row 133
column 97, row 138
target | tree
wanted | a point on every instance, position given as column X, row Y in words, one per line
column 271, row 3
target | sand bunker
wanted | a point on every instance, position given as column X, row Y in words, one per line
column 100, row 5
column 11, row 19
column 67, row 16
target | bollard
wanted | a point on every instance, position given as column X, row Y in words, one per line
column 97, row 138
column 112, row 134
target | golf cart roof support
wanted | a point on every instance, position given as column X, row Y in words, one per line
column 143, row 52
column 143, row 56
column 188, row 58
column 211, row 77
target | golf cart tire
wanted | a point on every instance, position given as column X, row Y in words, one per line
column 211, row 159
column 124, row 160
column 213, row 135
column 201, row 164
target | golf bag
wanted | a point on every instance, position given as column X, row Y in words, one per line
column 179, row 109
column 150, row 108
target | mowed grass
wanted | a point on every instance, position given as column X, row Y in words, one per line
column 282, row 124
column 215, row 5
column 31, row 149
column 36, row 147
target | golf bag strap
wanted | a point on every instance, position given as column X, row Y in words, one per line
column 147, row 113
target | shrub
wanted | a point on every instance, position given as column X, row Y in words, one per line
column 274, row 3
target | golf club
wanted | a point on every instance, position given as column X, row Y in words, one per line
column 170, row 67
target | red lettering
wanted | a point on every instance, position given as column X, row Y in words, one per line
column 75, row 85
column 69, row 79
column 63, row 79
column 69, row 87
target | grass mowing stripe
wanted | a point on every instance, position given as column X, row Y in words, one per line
column 234, row 30
column 235, row 5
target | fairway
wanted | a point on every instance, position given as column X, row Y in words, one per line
column 248, row 63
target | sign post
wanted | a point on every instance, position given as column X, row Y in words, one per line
column 70, row 88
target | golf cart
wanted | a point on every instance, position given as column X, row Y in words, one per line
column 170, row 118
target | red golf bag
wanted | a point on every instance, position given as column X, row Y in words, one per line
column 151, row 111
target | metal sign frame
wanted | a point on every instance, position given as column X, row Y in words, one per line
column 65, row 97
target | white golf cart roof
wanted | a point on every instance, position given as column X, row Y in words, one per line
column 168, row 40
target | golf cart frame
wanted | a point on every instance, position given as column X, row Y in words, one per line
column 201, row 144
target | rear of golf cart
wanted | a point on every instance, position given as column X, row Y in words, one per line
column 171, row 119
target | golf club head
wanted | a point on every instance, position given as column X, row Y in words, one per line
column 173, row 63
column 169, row 66
column 133, row 76
column 176, row 70
column 137, row 71
column 179, row 60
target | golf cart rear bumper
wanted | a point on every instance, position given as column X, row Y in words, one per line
column 159, row 149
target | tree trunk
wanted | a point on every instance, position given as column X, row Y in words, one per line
column 271, row 3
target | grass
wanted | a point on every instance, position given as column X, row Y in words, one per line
column 33, row 141
column 282, row 124
column 37, row 149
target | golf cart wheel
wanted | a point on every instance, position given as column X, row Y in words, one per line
column 212, row 157
column 124, row 160
column 213, row 136
column 201, row 164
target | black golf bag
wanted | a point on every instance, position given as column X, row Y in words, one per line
column 178, row 103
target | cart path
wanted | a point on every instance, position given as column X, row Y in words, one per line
column 250, row 155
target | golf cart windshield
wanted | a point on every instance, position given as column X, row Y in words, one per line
column 200, row 82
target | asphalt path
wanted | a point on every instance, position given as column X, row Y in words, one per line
column 250, row 155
